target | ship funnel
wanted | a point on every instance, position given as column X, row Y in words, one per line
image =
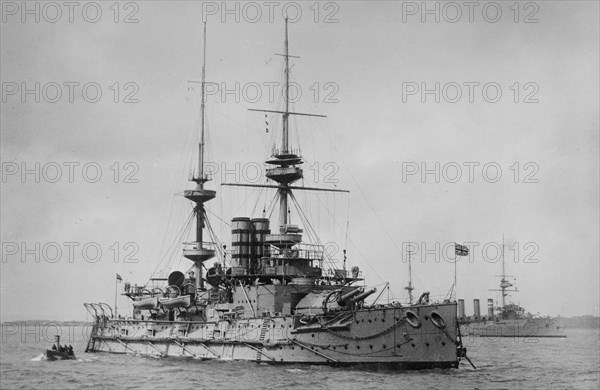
column 260, row 230
column 476, row 311
column 344, row 298
column 490, row 308
column 241, row 229
column 176, row 278
column 361, row 297
column 461, row 308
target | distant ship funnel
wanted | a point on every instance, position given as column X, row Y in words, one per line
column 490, row 308
column 461, row 308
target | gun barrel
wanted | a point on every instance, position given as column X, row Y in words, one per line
column 344, row 298
column 361, row 297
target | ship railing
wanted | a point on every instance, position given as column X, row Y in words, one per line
column 300, row 251
column 194, row 245
column 341, row 273
column 134, row 321
column 277, row 151
column 194, row 177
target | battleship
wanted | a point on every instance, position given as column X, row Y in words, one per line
column 273, row 298
column 508, row 319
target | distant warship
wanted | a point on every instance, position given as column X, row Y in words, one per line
column 273, row 300
column 507, row 320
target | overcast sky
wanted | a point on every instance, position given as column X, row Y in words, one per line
column 499, row 104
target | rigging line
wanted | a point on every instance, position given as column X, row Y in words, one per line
column 162, row 262
column 328, row 260
column 308, row 227
column 309, row 230
column 216, row 216
column 271, row 208
column 242, row 124
column 449, row 294
column 175, row 253
column 194, row 131
column 329, row 212
column 247, row 198
column 168, row 222
column 174, row 248
column 172, row 245
column 303, row 217
column 270, row 125
column 257, row 201
column 220, row 249
column 264, row 210
column 215, row 239
column 174, row 183
column 363, row 194
column 347, row 224
column 302, row 214
column 364, row 259
column 207, row 142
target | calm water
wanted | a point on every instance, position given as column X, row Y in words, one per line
column 502, row 364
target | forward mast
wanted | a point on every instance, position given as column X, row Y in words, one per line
column 199, row 251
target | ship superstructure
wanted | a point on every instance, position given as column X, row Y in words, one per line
column 275, row 302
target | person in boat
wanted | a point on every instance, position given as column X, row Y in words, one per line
column 54, row 347
column 70, row 349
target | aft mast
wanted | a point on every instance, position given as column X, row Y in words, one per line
column 199, row 251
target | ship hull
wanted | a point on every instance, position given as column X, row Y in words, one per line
column 520, row 328
column 376, row 336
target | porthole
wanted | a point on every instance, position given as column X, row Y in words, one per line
column 412, row 319
column 437, row 320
